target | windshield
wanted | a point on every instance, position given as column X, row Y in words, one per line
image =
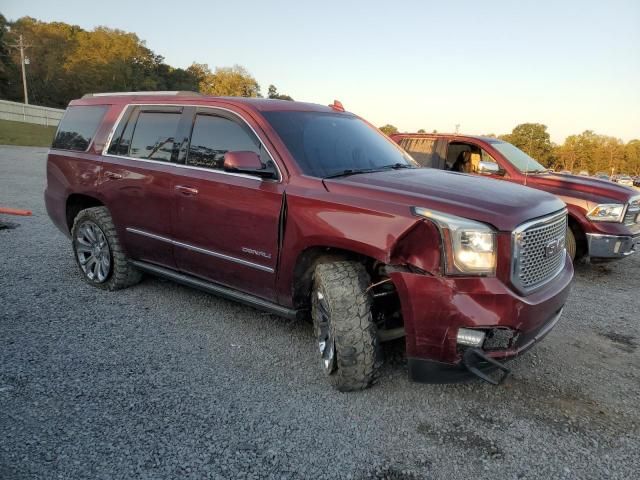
column 518, row 158
column 334, row 144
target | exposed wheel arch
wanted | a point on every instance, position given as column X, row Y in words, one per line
column 77, row 202
column 306, row 263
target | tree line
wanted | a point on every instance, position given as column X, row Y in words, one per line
column 585, row 151
column 66, row 61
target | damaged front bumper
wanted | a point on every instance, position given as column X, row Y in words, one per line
column 475, row 363
column 435, row 308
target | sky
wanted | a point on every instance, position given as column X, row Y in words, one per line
column 485, row 66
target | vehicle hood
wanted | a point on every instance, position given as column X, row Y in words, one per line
column 592, row 189
column 501, row 204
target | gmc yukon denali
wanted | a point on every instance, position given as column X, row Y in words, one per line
column 307, row 211
column 604, row 217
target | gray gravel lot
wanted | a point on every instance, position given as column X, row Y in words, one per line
column 161, row 381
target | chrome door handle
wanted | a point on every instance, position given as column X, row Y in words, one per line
column 113, row 175
column 186, row 190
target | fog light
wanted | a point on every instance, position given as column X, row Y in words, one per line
column 470, row 338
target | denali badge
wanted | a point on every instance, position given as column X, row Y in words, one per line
column 554, row 247
column 256, row 252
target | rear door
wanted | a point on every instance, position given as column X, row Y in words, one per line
column 137, row 180
column 226, row 224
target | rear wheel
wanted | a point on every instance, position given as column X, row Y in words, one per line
column 571, row 244
column 98, row 252
column 343, row 324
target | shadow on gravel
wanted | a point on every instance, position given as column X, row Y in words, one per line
column 8, row 225
column 626, row 343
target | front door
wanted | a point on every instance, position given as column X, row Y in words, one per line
column 226, row 224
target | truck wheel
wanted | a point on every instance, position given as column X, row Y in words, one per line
column 98, row 252
column 343, row 325
column 571, row 244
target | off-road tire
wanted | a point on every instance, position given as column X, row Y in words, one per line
column 122, row 274
column 344, row 286
column 570, row 244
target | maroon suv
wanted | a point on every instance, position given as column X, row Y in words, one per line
column 306, row 210
column 604, row 217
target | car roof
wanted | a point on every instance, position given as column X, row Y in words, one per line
column 259, row 104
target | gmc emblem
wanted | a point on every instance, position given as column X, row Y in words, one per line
column 554, row 247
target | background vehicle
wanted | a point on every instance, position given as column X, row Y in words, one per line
column 604, row 220
column 302, row 209
column 602, row 176
column 583, row 173
column 625, row 180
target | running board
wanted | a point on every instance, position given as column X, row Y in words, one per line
column 216, row 289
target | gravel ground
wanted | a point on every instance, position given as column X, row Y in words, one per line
column 161, row 381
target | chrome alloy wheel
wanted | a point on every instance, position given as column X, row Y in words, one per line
column 93, row 252
column 324, row 335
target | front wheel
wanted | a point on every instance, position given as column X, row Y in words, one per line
column 98, row 252
column 571, row 244
column 346, row 335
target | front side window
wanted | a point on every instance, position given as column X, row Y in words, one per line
column 213, row 136
column 153, row 136
column 78, row 126
column 330, row 144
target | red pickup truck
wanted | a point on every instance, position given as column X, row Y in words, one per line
column 604, row 217
column 307, row 211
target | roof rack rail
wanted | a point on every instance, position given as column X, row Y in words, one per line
column 117, row 94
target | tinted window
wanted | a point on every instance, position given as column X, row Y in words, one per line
column 213, row 136
column 77, row 127
column 153, row 135
column 325, row 144
column 421, row 149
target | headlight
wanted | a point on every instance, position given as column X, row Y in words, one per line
column 470, row 247
column 607, row 212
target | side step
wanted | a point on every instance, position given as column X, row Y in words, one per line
column 216, row 289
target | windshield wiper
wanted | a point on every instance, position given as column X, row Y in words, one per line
column 352, row 171
column 355, row 171
column 397, row 166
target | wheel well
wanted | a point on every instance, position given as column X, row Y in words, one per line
column 581, row 238
column 78, row 202
column 305, row 266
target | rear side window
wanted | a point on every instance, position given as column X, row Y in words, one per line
column 421, row 149
column 153, row 136
column 77, row 127
column 213, row 136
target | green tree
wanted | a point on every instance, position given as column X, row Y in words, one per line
column 388, row 129
column 533, row 139
column 422, row 130
column 233, row 81
column 632, row 157
column 273, row 93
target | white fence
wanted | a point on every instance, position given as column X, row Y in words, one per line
column 19, row 112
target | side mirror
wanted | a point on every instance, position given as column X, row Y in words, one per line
column 246, row 162
column 488, row 168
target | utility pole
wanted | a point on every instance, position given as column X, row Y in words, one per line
column 22, row 46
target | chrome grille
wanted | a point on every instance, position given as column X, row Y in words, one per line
column 538, row 251
column 633, row 212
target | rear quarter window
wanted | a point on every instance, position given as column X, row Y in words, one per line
column 78, row 126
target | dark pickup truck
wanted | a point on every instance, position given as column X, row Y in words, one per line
column 307, row 211
column 604, row 217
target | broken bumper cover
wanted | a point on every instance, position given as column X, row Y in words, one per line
column 430, row 371
column 612, row 246
column 435, row 308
